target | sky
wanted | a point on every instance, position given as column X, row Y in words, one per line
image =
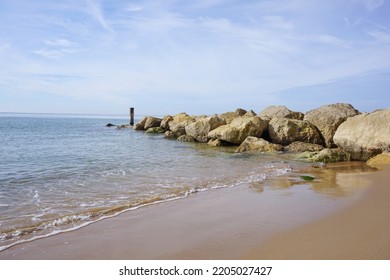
column 199, row 57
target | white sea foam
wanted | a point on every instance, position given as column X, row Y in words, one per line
column 87, row 222
column 80, row 221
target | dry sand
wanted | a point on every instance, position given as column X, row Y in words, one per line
column 287, row 219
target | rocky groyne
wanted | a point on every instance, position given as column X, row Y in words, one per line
column 331, row 133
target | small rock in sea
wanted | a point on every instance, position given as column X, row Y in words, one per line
column 123, row 126
column 110, row 125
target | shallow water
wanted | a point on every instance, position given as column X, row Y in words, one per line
column 58, row 172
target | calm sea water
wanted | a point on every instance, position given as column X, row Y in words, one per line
column 58, row 173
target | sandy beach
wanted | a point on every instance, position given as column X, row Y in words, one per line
column 351, row 221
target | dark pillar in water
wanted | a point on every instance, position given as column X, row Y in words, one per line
column 131, row 116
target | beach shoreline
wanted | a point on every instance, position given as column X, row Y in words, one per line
column 232, row 223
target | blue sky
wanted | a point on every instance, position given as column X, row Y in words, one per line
column 201, row 57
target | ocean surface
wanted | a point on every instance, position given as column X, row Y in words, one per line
column 62, row 172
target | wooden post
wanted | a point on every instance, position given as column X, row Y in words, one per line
column 131, row 116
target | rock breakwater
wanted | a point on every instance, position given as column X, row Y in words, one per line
column 331, row 133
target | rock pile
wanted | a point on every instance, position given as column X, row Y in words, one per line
column 331, row 133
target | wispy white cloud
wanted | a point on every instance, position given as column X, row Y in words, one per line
column 133, row 8
column 60, row 42
column 379, row 36
column 265, row 38
column 94, row 9
column 372, row 5
column 278, row 22
column 54, row 53
column 218, row 25
column 57, row 48
column 331, row 40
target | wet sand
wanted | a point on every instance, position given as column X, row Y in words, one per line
column 337, row 213
column 361, row 231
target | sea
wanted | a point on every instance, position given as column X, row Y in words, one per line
column 59, row 173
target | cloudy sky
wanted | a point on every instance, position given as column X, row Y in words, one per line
column 202, row 57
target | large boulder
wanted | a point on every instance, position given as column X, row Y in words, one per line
column 198, row 118
column 200, row 129
column 179, row 123
column 178, row 128
column 152, row 122
column 239, row 129
column 229, row 116
column 240, row 111
column 147, row 122
column 365, row 135
column 141, row 124
column 279, row 112
column 165, row 122
column 254, row 144
column 285, row 131
column 250, row 113
column 328, row 118
column 183, row 117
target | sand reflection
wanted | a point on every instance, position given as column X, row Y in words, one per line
column 333, row 180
